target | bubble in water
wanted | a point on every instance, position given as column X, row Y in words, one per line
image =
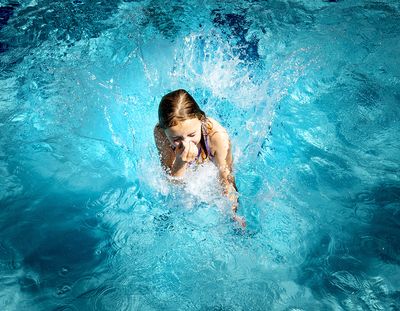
column 63, row 290
column 63, row 271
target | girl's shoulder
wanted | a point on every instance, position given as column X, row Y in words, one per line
column 159, row 135
column 218, row 136
column 213, row 126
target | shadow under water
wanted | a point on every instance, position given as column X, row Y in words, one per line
column 359, row 264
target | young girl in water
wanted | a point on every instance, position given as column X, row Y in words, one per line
column 184, row 136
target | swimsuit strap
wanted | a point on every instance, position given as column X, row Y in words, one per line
column 205, row 136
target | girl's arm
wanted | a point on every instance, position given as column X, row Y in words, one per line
column 223, row 161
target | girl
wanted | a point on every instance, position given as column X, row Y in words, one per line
column 185, row 136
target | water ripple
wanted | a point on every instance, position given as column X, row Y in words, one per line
column 9, row 258
column 68, row 307
column 110, row 298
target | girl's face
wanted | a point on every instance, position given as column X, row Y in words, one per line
column 185, row 131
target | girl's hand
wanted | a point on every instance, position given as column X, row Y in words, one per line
column 240, row 220
column 187, row 151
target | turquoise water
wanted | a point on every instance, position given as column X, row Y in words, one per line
column 309, row 92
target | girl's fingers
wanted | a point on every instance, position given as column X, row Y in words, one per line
column 188, row 151
column 192, row 153
column 240, row 220
column 194, row 149
column 185, row 152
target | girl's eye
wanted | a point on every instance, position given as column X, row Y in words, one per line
column 191, row 135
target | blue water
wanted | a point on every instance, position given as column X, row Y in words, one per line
column 310, row 94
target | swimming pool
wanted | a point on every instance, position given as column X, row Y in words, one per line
column 309, row 92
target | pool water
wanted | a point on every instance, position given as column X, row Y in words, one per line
column 309, row 92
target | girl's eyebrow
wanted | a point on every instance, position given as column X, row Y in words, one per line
column 182, row 136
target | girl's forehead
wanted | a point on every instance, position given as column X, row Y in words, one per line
column 184, row 127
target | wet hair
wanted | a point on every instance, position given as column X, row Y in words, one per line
column 178, row 106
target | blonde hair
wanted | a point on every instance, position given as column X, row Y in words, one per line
column 178, row 106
